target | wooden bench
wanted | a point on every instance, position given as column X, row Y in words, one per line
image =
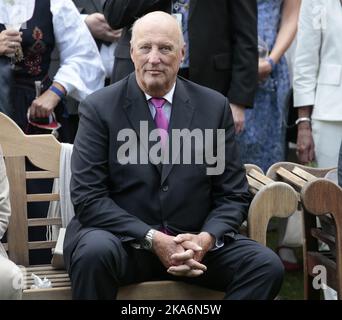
column 319, row 196
column 270, row 199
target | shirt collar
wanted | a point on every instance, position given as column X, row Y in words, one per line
column 168, row 97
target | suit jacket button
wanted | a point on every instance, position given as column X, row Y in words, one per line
column 165, row 188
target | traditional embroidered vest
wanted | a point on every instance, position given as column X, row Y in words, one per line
column 38, row 43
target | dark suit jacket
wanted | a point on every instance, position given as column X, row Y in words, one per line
column 222, row 37
column 127, row 200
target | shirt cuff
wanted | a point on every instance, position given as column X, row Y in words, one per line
column 84, row 16
column 218, row 244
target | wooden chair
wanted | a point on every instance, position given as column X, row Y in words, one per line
column 270, row 199
column 323, row 198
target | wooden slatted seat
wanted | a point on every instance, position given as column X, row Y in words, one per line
column 270, row 199
column 319, row 196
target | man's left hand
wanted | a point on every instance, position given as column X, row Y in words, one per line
column 205, row 240
column 238, row 112
column 187, row 241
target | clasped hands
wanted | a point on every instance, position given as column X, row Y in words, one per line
column 182, row 255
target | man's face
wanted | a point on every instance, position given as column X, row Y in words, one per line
column 157, row 53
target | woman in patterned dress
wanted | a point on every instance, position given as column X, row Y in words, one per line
column 262, row 141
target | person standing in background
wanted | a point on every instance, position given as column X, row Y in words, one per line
column 106, row 39
column 104, row 36
column 262, row 142
column 221, row 44
column 318, row 86
column 318, row 82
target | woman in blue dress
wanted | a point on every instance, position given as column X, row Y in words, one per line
column 262, row 142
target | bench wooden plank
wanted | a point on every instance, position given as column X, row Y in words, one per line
column 303, row 174
column 43, row 197
column 35, row 245
column 254, row 185
column 260, row 177
column 44, row 222
column 63, row 293
column 291, row 178
column 41, row 175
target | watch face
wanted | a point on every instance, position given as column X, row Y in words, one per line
column 146, row 244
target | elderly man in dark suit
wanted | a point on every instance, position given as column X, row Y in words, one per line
column 221, row 44
column 147, row 220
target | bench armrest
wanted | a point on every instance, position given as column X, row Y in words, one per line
column 57, row 258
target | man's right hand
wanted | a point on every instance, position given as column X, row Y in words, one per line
column 100, row 29
column 305, row 143
column 164, row 247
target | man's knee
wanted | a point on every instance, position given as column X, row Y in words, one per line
column 270, row 265
column 97, row 249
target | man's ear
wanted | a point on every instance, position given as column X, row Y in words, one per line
column 131, row 52
column 183, row 53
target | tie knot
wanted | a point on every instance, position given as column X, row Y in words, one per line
column 158, row 102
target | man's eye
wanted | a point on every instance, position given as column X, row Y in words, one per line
column 165, row 49
column 145, row 48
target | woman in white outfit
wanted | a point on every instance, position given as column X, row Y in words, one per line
column 318, row 85
column 9, row 272
column 318, row 82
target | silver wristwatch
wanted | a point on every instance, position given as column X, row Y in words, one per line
column 147, row 242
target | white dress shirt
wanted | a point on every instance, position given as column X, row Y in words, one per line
column 81, row 71
column 167, row 106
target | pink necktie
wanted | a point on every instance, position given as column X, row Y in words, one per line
column 160, row 118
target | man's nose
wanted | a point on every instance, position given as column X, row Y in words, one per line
column 154, row 57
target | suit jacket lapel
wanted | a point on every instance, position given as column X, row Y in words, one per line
column 137, row 110
column 193, row 4
column 181, row 116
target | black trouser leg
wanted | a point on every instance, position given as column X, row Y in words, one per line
column 244, row 269
column 97, row 264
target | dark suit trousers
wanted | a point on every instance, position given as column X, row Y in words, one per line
column 242, row 268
